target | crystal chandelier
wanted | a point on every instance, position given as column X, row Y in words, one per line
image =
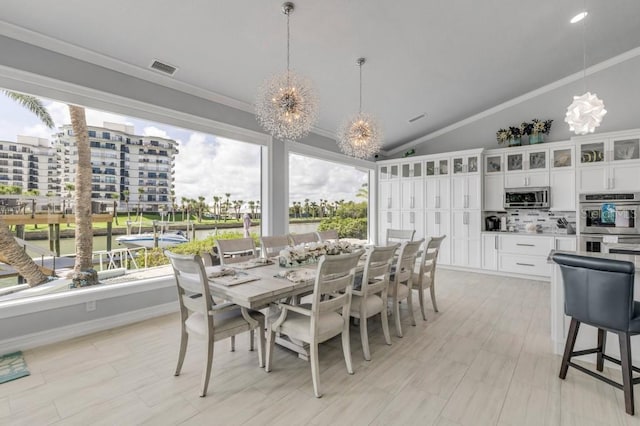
column 360, row 136
column 585, row 112
column 286, row 104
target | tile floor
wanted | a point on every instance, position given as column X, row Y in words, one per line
column 485, row 359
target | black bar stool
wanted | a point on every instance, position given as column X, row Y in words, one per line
column 599, row 292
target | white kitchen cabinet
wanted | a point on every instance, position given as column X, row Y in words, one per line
column 411, row 170
column 494, row 192
column 534, row 159
column 524, row 264
column 413, row 220
column 490, row 252
column 438, row 193
column 465, row 163
column 411, row 194
column 465, row 192
column 466, row 224
column 562, row 195
column 621, row 177
column 386, row 220
column 466, row 252
column 389, row 171
column 389, row 198
column 593, row 178
column 436, row 167
column 566, row 243
column 526, row 179
column 493, row 163
column 438, row 223
column 625, row 177
column 525, row 254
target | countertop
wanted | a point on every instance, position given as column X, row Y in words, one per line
column 530, row 234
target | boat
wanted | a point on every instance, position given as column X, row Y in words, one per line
column 146, row 239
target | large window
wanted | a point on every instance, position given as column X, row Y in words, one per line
column 327, row 195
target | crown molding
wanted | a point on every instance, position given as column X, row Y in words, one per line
column 630, row 54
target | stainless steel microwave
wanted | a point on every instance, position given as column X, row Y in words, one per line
column 526, row 198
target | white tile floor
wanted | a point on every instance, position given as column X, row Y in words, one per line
column 484, row 359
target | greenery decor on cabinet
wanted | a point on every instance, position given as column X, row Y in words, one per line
column 536, row 130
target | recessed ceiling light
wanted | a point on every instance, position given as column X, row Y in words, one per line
column 579, row 17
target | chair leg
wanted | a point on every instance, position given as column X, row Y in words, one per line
column 627, row 372
column 233, row 343
column 346, row 345
column 251, row 337
column 396, row 314
column 421, row 297
column 385, row 325
column 410, row 306
column 432, row 289
column 602, row 342
column 568, row 347
column 364, row 336
column 315, row 368
column 261, row 343
column 206, row 375
column 184, row 339
column 271, row 339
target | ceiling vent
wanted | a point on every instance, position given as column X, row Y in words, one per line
column 163, row 68
column 416, row 118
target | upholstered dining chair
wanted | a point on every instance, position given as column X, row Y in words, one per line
column 400, row 282
column 326, row 316
column 370, row 298
column 271, row 245
column 237, row 250
column 309, row 237
column 399, row 235
column 202, row 317
column 599, row 293
column 328, row 235
column 424, row 273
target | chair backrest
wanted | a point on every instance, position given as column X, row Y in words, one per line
column 598, row 292
column 271, row 246
column 234, row 251
column 377, row 269
column 429, row 256
column 334, row 282
column 399, row 235
column 406, row 261
column 329, row 234
column 192, row 283
column 309, row 237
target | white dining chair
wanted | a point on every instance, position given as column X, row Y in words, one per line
column 270, row 246
column 236, row 250
column 202, row 317
column 309, row 237
column 328, row 235
column 326, row 316
column 424, row 274
column 401, row 282
column 371, row 298
column 399, row 235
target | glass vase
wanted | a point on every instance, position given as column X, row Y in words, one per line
column 536, row 138
column 515, row 141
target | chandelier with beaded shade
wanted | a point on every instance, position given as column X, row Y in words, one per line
column 360, row 136
column 286, row 104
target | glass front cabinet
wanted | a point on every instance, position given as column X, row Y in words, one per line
column 437, row 167
column 466, row 164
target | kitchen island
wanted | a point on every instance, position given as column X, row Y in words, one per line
column 587, row 337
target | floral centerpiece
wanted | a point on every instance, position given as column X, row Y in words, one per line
column 511, row 135
column 539, row 128
column 302, row 254
column 536, row 130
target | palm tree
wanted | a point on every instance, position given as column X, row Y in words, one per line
column 201, row 207
column 216, row 207
column 306, row 207
column 115, row 196
column 252, row 207
column 126, row 200
column 140, row 194
column 363, row 192
column 11, row 252
column 83, row 272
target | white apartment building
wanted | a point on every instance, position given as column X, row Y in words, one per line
column 122, row 161
column 29, row 163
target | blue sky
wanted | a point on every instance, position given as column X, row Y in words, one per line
column 206, row 165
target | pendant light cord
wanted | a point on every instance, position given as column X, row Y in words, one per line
column 360, row 107
column 288, row 45
column 584, row 46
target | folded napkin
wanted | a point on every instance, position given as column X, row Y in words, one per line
column 218, row 271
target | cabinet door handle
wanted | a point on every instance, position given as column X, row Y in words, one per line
column 412, row 217
column 437, row 201
column 437, row 218
column 524, row 264
column 388, row 217
column 496, row 242
column 525, row 245
column 413, row 202
column 389, row 203
column 613, row 183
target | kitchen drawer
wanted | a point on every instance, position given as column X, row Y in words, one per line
column 529, row 245
column 527, row 265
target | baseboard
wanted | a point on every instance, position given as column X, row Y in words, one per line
column 492, row 272
column 55, row 335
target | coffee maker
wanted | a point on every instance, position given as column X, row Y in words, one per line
column 492, row 223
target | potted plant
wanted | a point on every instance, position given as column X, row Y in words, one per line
column 511, row 136
column 538, row 130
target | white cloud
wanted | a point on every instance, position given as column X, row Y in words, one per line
column 154, row 131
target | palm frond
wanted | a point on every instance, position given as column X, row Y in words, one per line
column 34, row 105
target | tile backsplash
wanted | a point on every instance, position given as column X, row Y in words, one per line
column 547, row 220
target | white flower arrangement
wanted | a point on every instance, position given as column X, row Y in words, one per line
column 311, row 252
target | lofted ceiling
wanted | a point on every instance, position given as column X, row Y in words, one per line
column 446, row 59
